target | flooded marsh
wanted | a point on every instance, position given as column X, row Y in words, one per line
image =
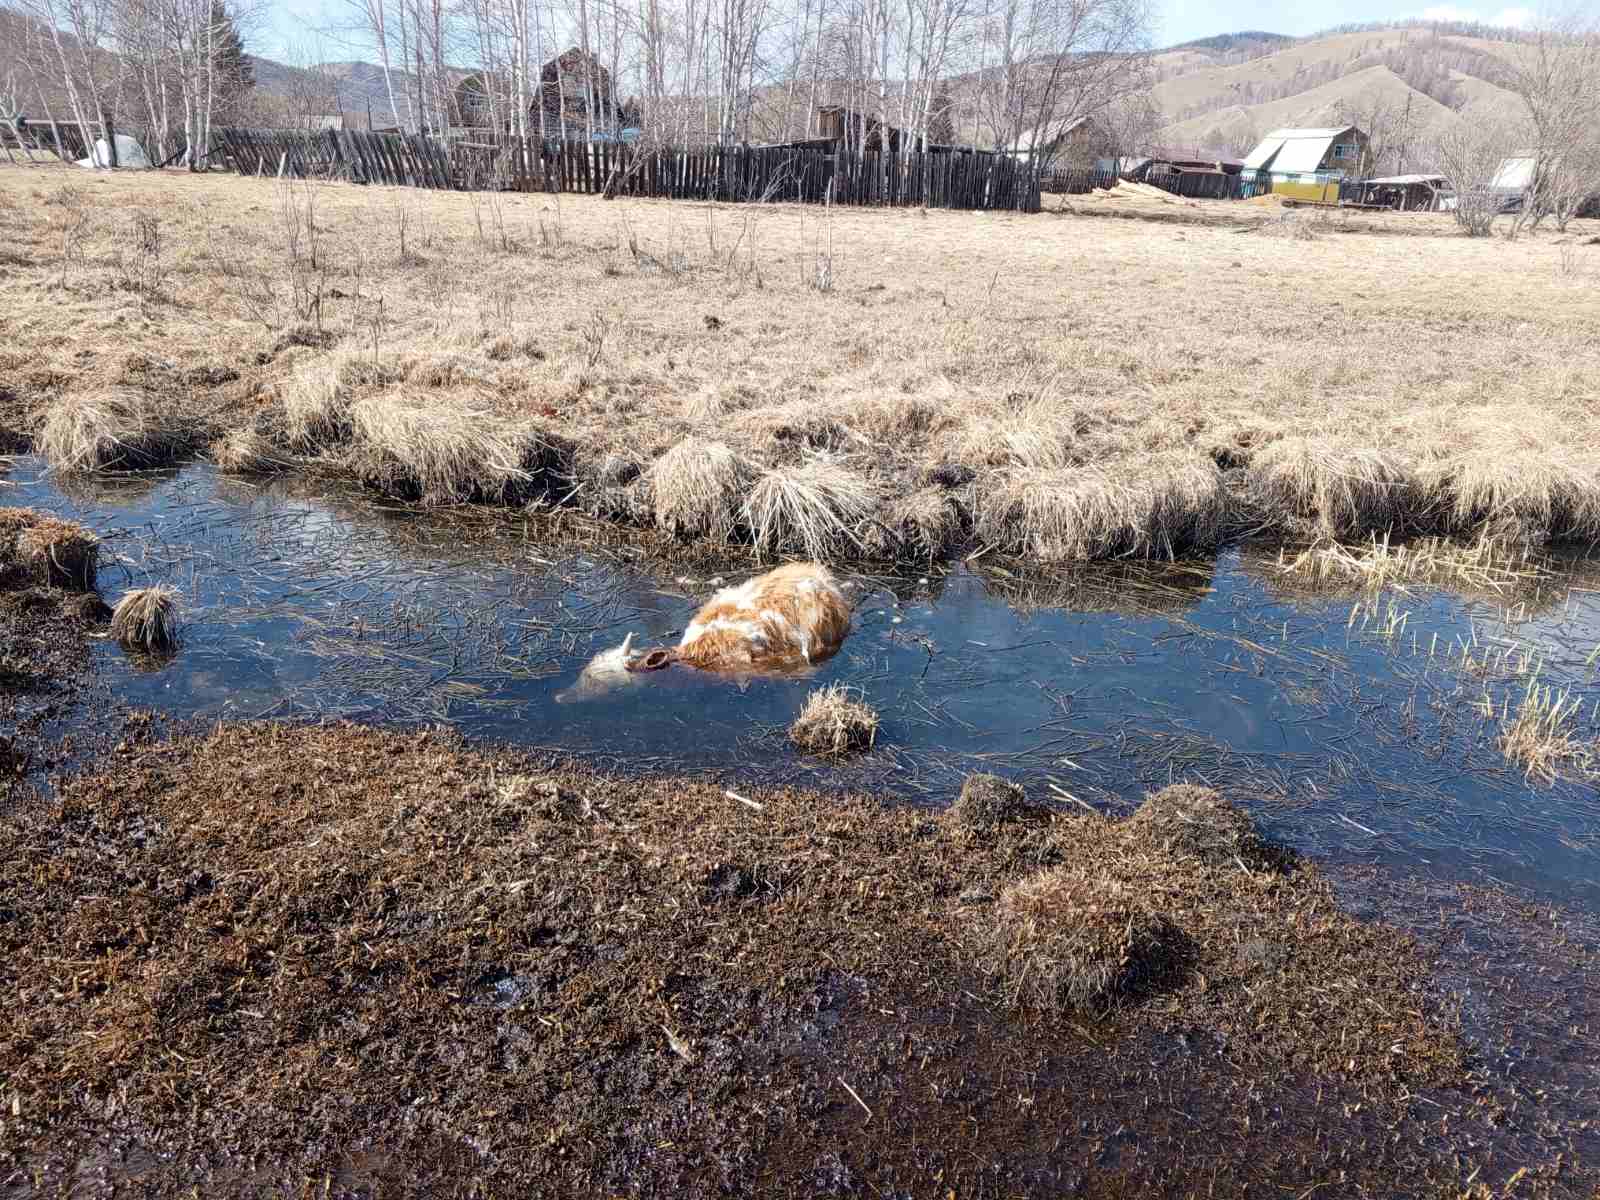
column 683, row 924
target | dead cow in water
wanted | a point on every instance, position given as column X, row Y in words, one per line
column 783, row 621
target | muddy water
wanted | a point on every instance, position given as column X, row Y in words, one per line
column 1355, row 731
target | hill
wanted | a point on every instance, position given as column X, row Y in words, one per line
column 1222, row 94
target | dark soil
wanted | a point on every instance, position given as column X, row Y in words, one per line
column 285, row 959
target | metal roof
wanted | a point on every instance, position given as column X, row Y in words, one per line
column 1514, row 174
column 1294, row 150
column 1406, row 180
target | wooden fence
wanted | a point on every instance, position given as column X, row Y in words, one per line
column 729, row 173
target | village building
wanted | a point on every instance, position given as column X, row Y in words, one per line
column 1308, row 164
column 1071, row 143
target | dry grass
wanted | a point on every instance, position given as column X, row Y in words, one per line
column 1186, row 821
column 145, row 620
column 247, row 452
column 1338, row 489
column 1070, row 937
column 988, row 801
column 1489, row 566
column 109, row 430
column 1528, row 494
column 448, row 448
column 814, row 509
column 45, row 551
column 834, row 725
column 699, row 489
column 1351, row 409
column 1542, row 736
column 1168, row 506
column 927, row 524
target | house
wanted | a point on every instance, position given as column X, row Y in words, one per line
column 1068, row 143
column 1405, row 193
column 1307, row 164
column 574, row 90
column 840, row 127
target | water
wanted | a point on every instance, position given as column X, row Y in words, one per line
column 1355, row 736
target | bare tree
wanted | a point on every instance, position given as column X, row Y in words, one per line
column 1469, row 154
column 1057, row 60
column 1557, row 75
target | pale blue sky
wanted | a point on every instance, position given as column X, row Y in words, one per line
column 288, row 24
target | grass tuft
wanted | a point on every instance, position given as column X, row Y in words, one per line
column 834, row 725
column 118, row 429
column 448, row 448
column 1190, row 822
column 46, row 551
column 1341, row 490
column 1542, row 737
column 1072, row 938
column 1170, row 504
column 699, row 488
column 930, row 523
column 246, row 452
column 812, row 509
column 987, row 802
column 145, row 620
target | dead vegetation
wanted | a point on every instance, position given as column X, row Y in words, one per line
column 834, row 725
column 1487, row 566
column 114, row 430
column 1168, row 505
column 145, row 620
column 1070, row 937
column 269, row 915
column 1542, row 736
column 1149, row 417
column 42, row 551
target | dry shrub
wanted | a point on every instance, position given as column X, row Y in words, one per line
column 46, row 551
column 812, row 509
column 929, row 524
column 699, row 487
column 832, row 724
column 1073, row 938
column 1171, row 504
column 1344, row 490
column 246, row 452
column 118, row 429
column 145, row 621
column 447, row 448
column 1186, row 821
column 987, row 801
column 1531, row 494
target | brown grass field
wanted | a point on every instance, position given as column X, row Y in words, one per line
column 862, row 383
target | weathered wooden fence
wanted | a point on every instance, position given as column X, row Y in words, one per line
column 1193, row 185
column 729, row 173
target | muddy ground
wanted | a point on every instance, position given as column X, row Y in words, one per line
column 344, row 961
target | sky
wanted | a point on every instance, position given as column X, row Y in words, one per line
column 312, row 25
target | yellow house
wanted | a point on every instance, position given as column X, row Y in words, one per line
column 1307, row 164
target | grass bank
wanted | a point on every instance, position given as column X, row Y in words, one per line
column 1064, row 386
